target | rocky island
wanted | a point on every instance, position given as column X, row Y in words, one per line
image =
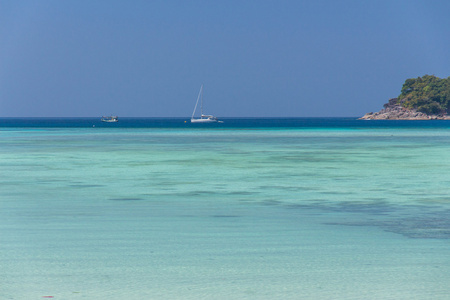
column 422, row 98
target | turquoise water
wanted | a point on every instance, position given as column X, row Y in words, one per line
column 293, row 209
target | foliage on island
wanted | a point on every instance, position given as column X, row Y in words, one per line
column 428, row 94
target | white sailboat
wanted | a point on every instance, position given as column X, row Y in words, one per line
column 203, row 118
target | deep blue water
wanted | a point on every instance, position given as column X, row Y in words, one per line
column 247, row 123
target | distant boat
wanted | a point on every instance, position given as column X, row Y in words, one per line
column 203, row 118
column 110, row 119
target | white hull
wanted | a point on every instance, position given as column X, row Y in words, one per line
column 110, row 119
column 203, row 120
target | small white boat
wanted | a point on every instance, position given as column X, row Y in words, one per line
column 203, row 118
column 110, row 119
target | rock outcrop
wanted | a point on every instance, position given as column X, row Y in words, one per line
column 394, row 111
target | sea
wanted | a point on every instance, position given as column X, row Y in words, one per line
column 251, row 208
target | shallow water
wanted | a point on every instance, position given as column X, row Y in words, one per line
column 339, row 211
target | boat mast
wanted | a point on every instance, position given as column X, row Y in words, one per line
column 201, row 105
column 196, row 103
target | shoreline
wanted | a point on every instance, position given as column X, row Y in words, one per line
column 394, row 111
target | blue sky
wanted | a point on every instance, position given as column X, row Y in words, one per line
column 294, row 58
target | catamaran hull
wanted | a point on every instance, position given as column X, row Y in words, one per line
column 203, row 121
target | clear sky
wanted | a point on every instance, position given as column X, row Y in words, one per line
column 260, row 58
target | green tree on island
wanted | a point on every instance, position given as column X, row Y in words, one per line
column 428, row 94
